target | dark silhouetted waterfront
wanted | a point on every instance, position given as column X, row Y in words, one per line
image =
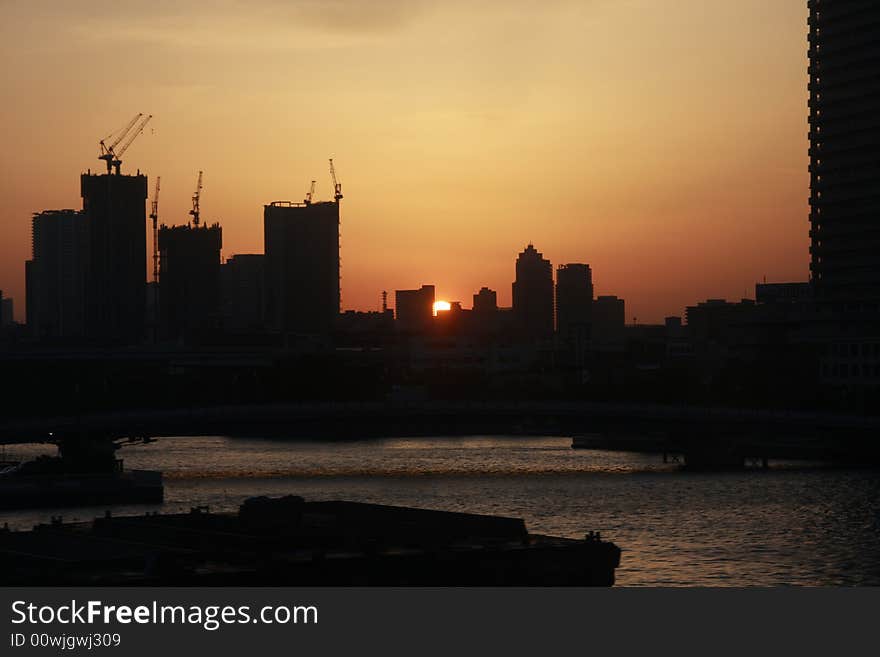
column 787, row 525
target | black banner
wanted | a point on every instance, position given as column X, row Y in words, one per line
column 449, row 621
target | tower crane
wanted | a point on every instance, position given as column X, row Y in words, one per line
column 107, row 152
column 154, row 215
column 117, row 155
column 196, row 198
column 337, row 187
column 310, row 195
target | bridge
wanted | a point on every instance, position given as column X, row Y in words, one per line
column 633, row 427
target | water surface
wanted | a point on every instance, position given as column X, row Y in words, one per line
column 788, row 525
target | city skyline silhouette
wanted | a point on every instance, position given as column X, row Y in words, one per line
column 448, row 179
column 432, row 294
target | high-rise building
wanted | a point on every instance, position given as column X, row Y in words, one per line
column 189, row 280
column 7, row 311
column 55, row 277
column 608, row 321
column 302, row 266
column 414, row 309
column 533, row 294
column 7, row 316
column 116, row 283
column 485, row 302
column 484, row 319
column 574, row 300
column 845, row 149
column 241, row 283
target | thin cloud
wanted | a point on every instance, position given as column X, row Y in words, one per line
column 255, row 24
column 266, row 24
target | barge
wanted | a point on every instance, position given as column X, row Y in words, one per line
column 291, row 542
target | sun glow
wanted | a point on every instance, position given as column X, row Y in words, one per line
column 441, row 306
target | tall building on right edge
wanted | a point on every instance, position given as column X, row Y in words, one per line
column 844, row 51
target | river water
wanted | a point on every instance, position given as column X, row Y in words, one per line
column 791, row 524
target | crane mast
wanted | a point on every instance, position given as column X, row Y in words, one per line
column 337, row 186
column 196, row 198
column 310, row 195
column 154, row 215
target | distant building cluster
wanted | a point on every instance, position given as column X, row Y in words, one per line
column 542, row 310
column 87, row 283
column 87, row 276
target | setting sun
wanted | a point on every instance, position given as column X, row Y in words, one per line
column 441, row 306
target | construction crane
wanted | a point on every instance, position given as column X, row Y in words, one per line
column 107, row 152
column 117, row 155
column 310, row 195
column 197, row 197
column 337, row 187
column 154, row 215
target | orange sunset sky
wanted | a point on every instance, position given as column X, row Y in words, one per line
column 664, row 143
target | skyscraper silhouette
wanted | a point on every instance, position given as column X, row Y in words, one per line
column 56, row 274
column 242, row 281
column 485, row 302
column 302, row 266
column 574, row 300
column 189, row 280
column 533, row 294
column 115, row 208
column 845, row 149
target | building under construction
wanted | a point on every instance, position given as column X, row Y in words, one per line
column 186, row 260
column 302, row 264
column 189, row 280
column 114, row 249
column 115, row 210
